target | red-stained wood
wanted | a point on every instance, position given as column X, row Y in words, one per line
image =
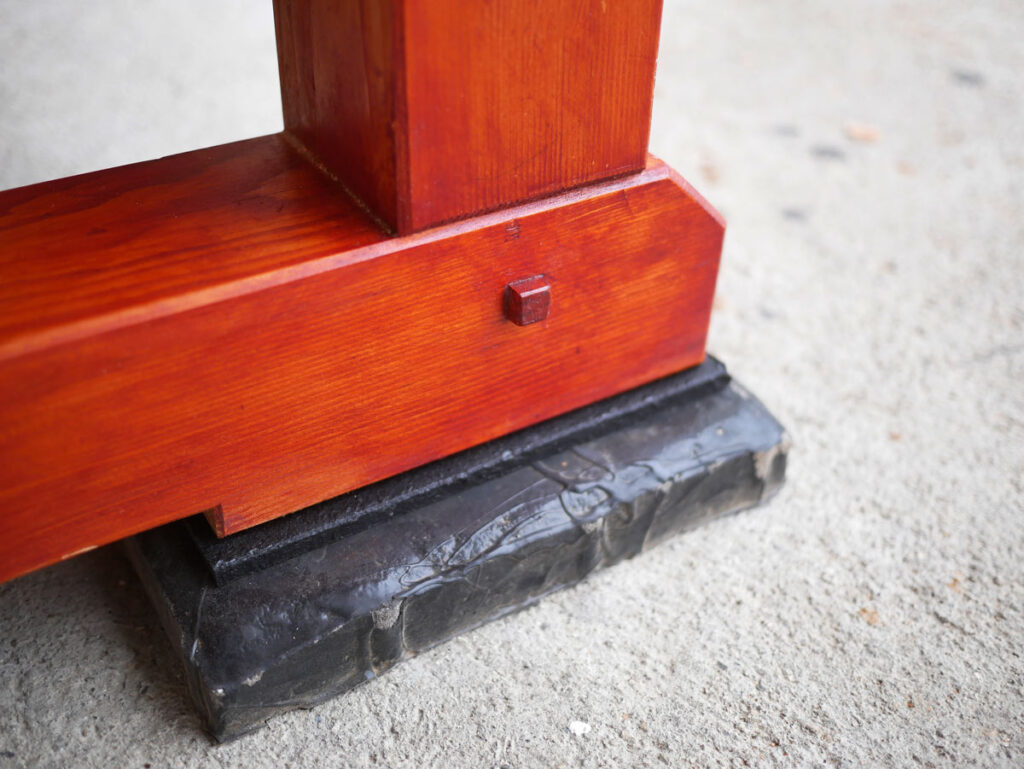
column 88, row 253
column 340, row 88
column 430, row 111
column 528, row 300
column 224, row 330
column 233, row 331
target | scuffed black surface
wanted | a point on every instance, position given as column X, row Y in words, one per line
column 316, row 625
column 320, row 524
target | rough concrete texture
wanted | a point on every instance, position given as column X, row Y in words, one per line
column 868, row 158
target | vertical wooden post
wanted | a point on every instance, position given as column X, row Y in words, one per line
column 435, row 110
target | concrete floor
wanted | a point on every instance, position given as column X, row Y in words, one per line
column 869, row 157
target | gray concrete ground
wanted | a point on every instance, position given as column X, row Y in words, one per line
column 869, row 159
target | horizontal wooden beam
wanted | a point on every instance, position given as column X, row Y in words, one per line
column 95, row 252
column 225, row 331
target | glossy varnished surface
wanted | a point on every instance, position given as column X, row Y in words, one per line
column 121, row 245
column 341, row 89
column 513, row 99
column 434, row 110
column 134, row 391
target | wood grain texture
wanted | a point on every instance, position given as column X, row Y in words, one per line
column 222, row 330
column 528, row 300
column 92, row 252
column 340, row 85
column 433, row 110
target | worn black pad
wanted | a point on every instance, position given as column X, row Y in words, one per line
column 322, row 619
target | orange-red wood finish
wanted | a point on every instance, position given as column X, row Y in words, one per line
column 429, row 111
column 93, row 252
column 528, row 300
column 224, row 330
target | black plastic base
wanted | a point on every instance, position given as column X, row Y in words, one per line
column 463, row 542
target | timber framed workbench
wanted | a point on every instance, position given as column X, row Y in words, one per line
column 249, row 329
column 458, row 242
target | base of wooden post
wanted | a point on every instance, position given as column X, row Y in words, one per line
column 540, row 512
column 256, row 344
